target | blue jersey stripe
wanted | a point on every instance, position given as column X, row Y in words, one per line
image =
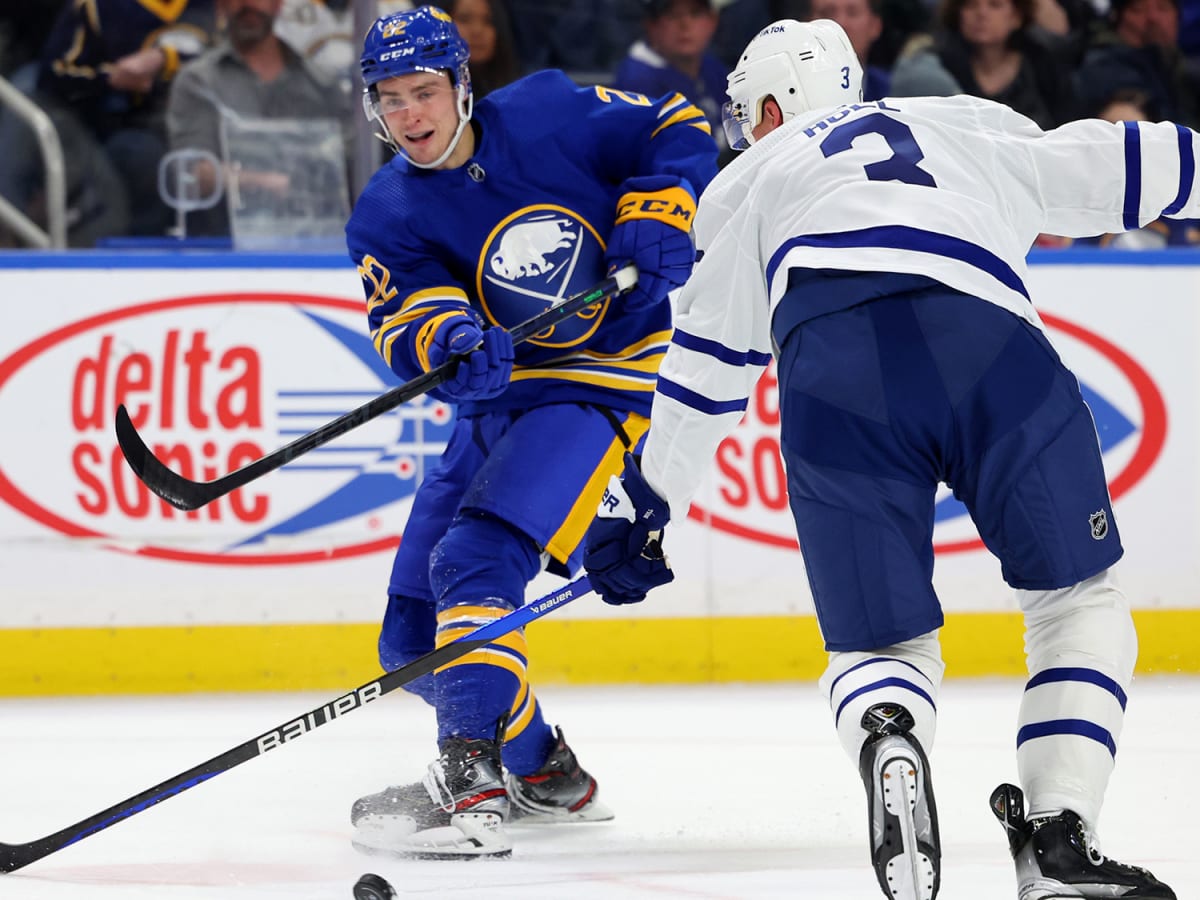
column 876, row 685
column 1133, row 176
column 719, row 351
column 1089, row 676
column 913, row 240
column 873, row 661
column 1187, row 171
column 699, row 402
column 1080, row 727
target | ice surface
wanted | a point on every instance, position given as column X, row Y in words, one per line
column 731, row 791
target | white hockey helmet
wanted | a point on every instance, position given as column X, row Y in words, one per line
column 803, row 65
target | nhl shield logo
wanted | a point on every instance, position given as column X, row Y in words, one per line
column 534, row 258
column 1099, row 525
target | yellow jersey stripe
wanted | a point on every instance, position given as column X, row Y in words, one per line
column 513, row 641
column 469, row 611
column 167, row 10
column 522, row 696
column 484, row 657
column 425, row 335
column 567, row 538
column 618, row 384
column 435, row 296
column 520, row 720
column 684, row 115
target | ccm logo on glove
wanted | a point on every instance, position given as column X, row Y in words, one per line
column 674, row 206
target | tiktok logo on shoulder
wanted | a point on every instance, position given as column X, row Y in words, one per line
column 534, row 258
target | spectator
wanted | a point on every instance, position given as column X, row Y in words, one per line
column 741, row 20
column 102, row 78
column 674, row 57
column 250, row 74
column 902, row 21
column 1139, row 50
column 484, row 25
column 990, row 49
column 24, row 27
column 1132, row 105
column 585, row 38
column 919, row 71
column 862, row 21
column 323, row 32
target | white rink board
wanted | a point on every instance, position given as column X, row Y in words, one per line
column 229, row 363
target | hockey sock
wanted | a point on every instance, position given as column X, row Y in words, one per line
column 1081, row 647
column 906, row 674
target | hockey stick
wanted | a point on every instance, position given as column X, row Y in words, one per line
column 183, row 493
column 16, row 856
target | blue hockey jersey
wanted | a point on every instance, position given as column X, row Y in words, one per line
column 523, row 224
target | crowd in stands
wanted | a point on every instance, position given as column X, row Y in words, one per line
column 127, row 81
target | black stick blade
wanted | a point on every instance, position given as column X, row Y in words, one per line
column 180, row 492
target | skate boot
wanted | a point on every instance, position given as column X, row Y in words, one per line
column 456, row 812
column 560, row 791
column 1057, row 858
column 905, row 846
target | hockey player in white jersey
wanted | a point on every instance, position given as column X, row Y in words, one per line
column 878, row 250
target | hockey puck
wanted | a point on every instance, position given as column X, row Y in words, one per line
column 373, row 887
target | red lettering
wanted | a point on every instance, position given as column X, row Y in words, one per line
column 194, row 360
column 90, row 378
column 209, row 449
column 178, row 458
column 242, row 391
column 84, row 456
column 770, row 479
column 241, row 454
column 166, row 401
column 766, row 397
column 137, row 506
column 134, row 375
column 729, row 454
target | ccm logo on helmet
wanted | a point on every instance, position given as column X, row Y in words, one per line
column 392, row 54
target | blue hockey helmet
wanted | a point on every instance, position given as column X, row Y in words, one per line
column 424, row 39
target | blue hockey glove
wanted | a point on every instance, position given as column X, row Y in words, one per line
column 653, row 231
column 486, row 368
column 623, row 554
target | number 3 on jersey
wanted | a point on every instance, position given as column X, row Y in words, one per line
column 900, row 166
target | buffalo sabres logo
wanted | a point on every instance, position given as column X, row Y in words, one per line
column 534, row 258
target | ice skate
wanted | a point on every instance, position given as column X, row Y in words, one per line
column 1056, row 858
column 560, row 791
column 456, row 812
column 905, row 847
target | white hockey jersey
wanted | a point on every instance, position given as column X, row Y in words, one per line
column 953, row 188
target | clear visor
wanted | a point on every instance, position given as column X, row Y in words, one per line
column 376, row 106
column 737, row 118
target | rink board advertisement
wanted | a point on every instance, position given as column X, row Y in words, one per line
column 221, row 359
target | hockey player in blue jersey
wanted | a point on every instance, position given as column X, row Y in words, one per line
column 878, row 250
column 487, row 214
